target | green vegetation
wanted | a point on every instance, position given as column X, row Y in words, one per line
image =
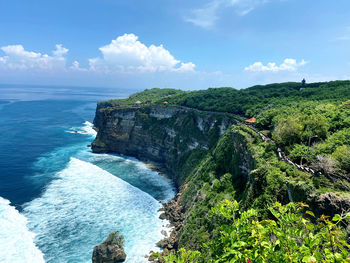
column 290, row 237
column 252, row 101
column 115, row 238
column 312, row 131
column 145, row 97
column 309, row 121
column 249, row 102
column 240, row 179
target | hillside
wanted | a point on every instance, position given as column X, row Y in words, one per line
column 298, row 151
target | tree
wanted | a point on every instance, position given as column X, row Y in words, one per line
column 342, row 156
column 315, row 125
column 298, row 153
column 288, row 131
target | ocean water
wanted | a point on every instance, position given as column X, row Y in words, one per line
column 58, row 199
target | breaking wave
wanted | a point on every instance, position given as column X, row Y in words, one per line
column 16, row 241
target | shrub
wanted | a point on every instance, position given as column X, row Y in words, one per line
column 290, row 237
column 342, row 156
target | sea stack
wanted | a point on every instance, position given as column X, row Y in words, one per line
column 111, row 250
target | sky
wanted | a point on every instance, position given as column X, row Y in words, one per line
column 137, row 44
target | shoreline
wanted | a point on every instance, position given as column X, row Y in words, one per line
column 172, row 212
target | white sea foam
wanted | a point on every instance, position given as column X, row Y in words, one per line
column 136, row 173
column 86, row 129
column 85, row 203
column 16, row 241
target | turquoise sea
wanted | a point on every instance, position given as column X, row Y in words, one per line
column 58, row 199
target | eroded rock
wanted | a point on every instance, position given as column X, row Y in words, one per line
column 111, row 250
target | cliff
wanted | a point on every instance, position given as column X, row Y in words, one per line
column 173, row 137
column 212, row 157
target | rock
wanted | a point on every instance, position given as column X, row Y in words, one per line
column 330, row 204
column 162, row 243
column 162, row 216
column 110, row 251
column 164, row 233
column 166, row 251
column 127, row 130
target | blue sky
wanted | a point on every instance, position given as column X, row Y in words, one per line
column 166, row 43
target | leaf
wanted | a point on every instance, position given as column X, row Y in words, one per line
column 347, row 216
column 318, row 255
column 310, row 226
column 336, row 218
column 309, row 259
column 310, row 213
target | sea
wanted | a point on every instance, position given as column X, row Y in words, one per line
column 57, row 198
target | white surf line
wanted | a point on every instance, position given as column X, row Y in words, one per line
column 16, row 241
column 79, row 209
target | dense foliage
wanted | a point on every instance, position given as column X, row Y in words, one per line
column 252, row 101
column 290, row 237
column 145, row 97
column 311, row 124
column 311, row 131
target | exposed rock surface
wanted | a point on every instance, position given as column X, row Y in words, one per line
column 174, row 212
column 167, row 136
column 110, row 251
column 163, row 135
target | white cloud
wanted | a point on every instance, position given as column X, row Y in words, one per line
column 207, row 16
column 186, row 67
column 289, row 64
column 16, row 57
column 76, row 67
column 60, row 51
column 128, row 54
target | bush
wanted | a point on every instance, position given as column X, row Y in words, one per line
column 115, row 238
column 342, row 156
column 290, row 237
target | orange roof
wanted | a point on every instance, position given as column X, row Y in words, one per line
column 251, row 120
column 165, row 102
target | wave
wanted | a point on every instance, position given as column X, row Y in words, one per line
column 16, row 242
column 136, row 173
column 82, row 205
column 86, row 129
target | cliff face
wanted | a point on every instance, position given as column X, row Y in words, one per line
column 210, row 160
column 225, row 173
column 170, row 136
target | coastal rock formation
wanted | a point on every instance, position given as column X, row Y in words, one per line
column 210, row 160
column 110, row 251
column 169, row 136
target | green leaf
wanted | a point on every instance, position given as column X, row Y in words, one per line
column 336, row 218
column 310, row 213
column 310, row 226
column 309, row 259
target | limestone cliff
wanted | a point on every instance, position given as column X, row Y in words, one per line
column 170, row 136
column 210, row 160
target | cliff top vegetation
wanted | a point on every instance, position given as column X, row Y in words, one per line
column 248, row 102
column 310, row 122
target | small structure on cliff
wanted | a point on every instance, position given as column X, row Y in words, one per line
column 251, row 120
column 138, row 103
column 111, row 250
column 165, row 103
